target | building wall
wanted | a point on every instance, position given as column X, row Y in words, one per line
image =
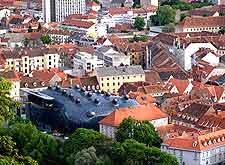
column 137, row 58
column 109, row 131
column 200, row 29
column 15, row 92
column 191, row 157
column 160, row 122
column 113, row 83
column 26, row 64
column 65, row 8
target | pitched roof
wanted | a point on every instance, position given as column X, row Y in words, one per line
column 194, row 22
column 119, row 71
column 10, row 75
column 77, row 23
column 141, row 113
column 181, row 85
column 197, row 141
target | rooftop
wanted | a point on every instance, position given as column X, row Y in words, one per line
column 119, row 71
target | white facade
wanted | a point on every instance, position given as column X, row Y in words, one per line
column 4, row 13
column 110, row 131
column 184, row 54
column 48, row 9
column 211, row 58
column 192, row 157
column 15, row 91
column 87, row 62
column 64, row 8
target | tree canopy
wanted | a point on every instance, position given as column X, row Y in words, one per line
column 143, row 132
column 138, row 38
column 139, row 23
column 169, row 28
column 46, row 39
column 7, row 105
column 165, row 15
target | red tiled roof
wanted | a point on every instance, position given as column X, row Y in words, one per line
column 140, row 112
column 194, row 22
column 197, row 141
column 79, row 24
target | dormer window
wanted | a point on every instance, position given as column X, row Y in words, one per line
column 34, row 84
column 26, row 85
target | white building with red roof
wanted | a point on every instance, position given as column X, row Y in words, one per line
column 151, row 113
column 203, row 148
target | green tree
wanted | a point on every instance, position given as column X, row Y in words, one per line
column 7, row 146
column 138, row 38
column 139, row 23
column 83, row 138
column 30, row 29
column 169, row 28
column 166, row 15
column 143, row 132
column 46, row 39
column 26, row 42
column 7, row 105
column 86, row 157
column 222, row 31
column 183, row 16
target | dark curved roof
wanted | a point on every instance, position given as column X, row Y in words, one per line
column 78, row 112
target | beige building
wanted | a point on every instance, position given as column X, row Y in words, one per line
column 26, row 60
column 111, row 78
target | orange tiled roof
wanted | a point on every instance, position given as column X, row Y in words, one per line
column 198, row 141
column 140, row 112
column 194, row 22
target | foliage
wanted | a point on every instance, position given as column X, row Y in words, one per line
column 138, row 38
column 143, row 132
column 221, row 14
column 222, row 31
column 30, row 29
column 169, row 28
column 7, row 105
column 82, row 138
column 31, row 142
column 183, row 16
column 176, row 4
column 86, row 157
column 26, row 42
column 205, row 15
column 139, row 23
column 165, row 15
column 9, row 155
column 46, row 39
column 133, row 152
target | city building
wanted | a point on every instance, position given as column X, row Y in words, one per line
column 199, row 24
column 112, row 57
column 12, row 77
column 28, row 59
column 58, row 10
column 111, row 78
column 65, row 8
column 48, row 10
column 206, row 147
column 86, row 62
column 65, row 109
column 151, row 113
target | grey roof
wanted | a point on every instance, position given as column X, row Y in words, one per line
column 119, row 71
column 15, row 37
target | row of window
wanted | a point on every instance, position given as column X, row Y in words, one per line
column 128, row 77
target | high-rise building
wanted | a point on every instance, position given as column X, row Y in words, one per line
column 57, row 10
column 48, row 8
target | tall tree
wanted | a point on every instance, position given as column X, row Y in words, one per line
column 139, row 23
column 166, row 14
column 7, row 105
column 83, row 138
column 143, row 132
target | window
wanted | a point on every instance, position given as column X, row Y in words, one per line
column 128, row 77
column 118, row 83
column 102, row 84
column 118, row 78
column 12, row 62
column 107, row 78
column 113, row 84
column 25, row 65
column 50, row 63
column 25, row 59
column 107, row 84
column 49, row 57
column 113, row 78
column 102, row 79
